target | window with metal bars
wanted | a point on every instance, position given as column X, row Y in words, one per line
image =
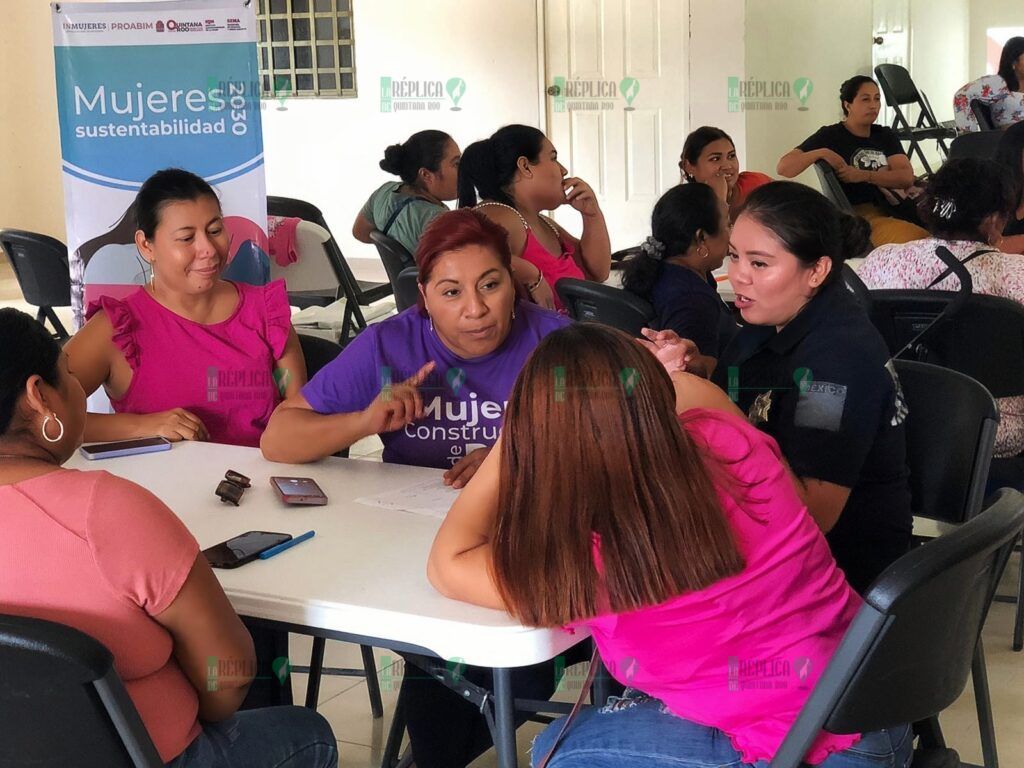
column 306, row 48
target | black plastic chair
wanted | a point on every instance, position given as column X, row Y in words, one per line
column 619, row 257
column 395, row 256
column 831, row 187
column 949, row 451
column 983, row 339
column 40, row 264
column 599, row 303
column 853, row 283
column 899, row 90
column 980, row 144
column 983, row 114
column 907, row 653
column 407, row 290
column 63, row 703
column 357, row 292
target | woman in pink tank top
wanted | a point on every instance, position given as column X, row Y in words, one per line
column 188, row 356
column 679, row 542
column 517, row 175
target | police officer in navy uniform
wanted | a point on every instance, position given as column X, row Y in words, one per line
column 810, row 369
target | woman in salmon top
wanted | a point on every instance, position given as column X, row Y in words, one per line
column 188, row 356
column 679, row 542
column 100, row 554
column 517, row 175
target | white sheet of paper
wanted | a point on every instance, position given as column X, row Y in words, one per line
column 431, row 498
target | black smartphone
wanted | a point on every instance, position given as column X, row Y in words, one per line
column 299, row 490
column 243, row 549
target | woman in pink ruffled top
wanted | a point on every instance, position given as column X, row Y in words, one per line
column 188, row 356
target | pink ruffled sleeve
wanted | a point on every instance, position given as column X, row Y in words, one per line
column 279, row 316
column 123, row 324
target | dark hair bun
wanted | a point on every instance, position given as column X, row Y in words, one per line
column 393, row 157
column 855, row 233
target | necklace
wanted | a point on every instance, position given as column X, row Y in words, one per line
column 523, row 218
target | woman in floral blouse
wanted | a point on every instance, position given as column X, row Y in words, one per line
column 1001, row 92
column 965, row 208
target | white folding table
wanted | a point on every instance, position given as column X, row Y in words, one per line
column 361, row 579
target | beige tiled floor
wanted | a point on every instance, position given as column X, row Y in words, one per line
column 344, row 701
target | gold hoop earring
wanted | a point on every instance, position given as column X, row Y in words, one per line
column 705, row 253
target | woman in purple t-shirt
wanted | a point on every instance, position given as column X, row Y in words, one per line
column 432, row 381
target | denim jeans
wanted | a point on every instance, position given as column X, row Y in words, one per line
column 635, row 730
column 275, row 737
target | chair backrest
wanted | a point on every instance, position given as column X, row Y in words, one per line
column 853, row 283
column 313, row 269
column 951, row 432
column 598, row 303
column 289, row 206
column 984, row 339
column 317, row 352
column 62, row 702
column 40, row 265
column 831, row 186
column 908, row 651
column 980, row 144
column 395, row 256
column 407, row 289
column 897, row 85
column 983, row 114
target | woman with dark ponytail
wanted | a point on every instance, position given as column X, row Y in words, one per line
column 428, row 165
column 514, row 175
column 689, row 239
column 811, row 370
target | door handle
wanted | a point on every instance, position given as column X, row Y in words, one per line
column 878, row 40
column 554, row 90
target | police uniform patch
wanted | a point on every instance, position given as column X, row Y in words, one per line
column 757, row 414
column 820, row 406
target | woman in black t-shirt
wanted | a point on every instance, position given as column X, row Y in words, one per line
column 810, row 369
column 868, row 159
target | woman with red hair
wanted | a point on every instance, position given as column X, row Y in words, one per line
column 432, row 382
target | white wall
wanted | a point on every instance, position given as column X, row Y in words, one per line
column 716, row 39
column 326, row 150
column 985, row 14
column 939, row 50
column 827, row 42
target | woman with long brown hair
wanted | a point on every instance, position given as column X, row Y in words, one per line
column 679, row 542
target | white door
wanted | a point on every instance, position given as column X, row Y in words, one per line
column 891, row 43
column 616, row 81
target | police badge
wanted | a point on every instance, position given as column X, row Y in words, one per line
column 758, row 412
